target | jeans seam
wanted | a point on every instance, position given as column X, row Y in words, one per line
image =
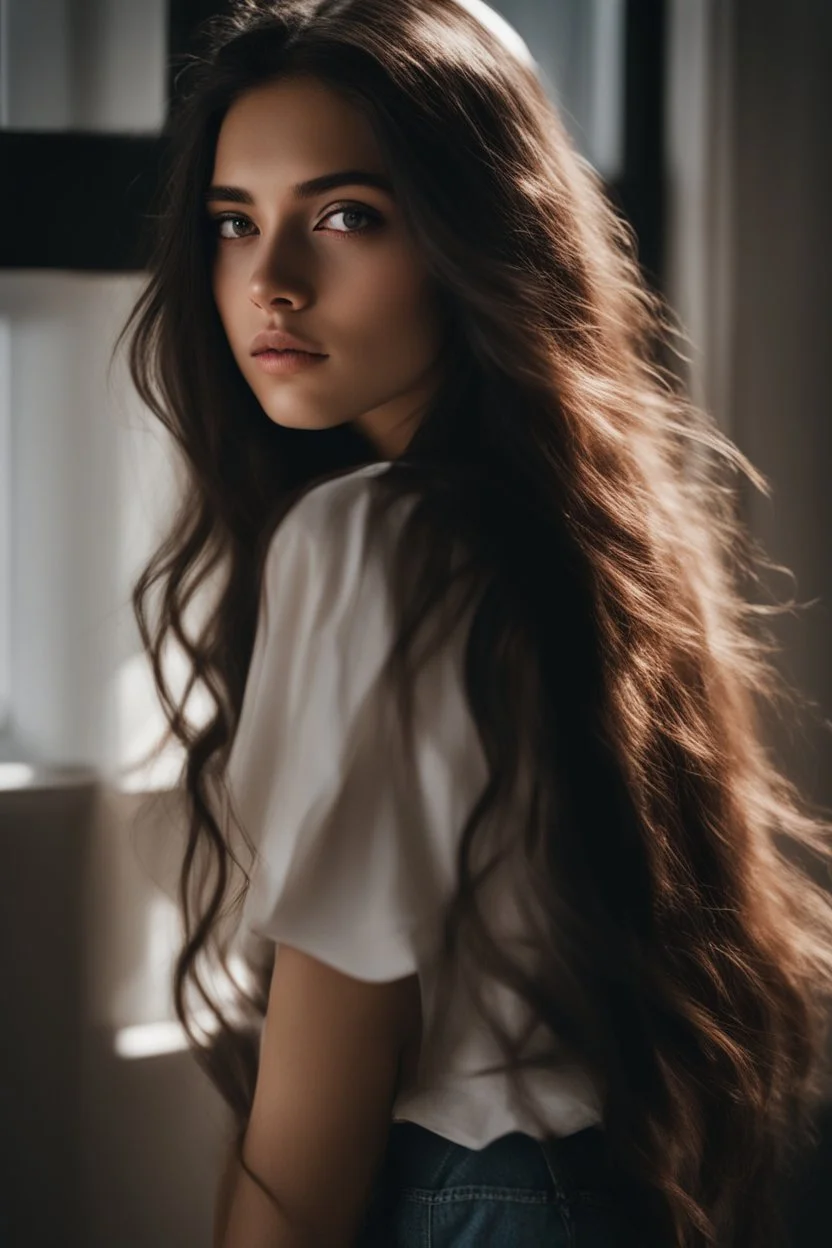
column 475, row 1191
column 452, row 1146
column 562, row 1196
column 560, row 1190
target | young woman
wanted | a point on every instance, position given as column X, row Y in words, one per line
column 534, row 960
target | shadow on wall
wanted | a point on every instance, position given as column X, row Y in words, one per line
column 100, row 1150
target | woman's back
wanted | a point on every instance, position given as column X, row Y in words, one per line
column 359, row 839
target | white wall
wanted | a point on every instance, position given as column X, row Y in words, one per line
column 91, row 483
column 83, row 64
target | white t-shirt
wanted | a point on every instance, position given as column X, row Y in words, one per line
column 355, row 853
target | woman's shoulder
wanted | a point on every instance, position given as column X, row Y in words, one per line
column 327, row 547
column 332, row 508
column 331, row 502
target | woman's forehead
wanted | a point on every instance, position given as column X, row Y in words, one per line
column 298, row 125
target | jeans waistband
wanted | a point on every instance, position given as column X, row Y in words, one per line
column 420, row 1157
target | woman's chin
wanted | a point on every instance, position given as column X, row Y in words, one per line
column 301, row 420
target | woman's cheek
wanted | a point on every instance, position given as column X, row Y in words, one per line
column 227, row 297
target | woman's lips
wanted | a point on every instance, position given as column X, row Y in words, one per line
column 287, row 361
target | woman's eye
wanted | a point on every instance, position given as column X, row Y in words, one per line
column 373, row 219
column 231, row 220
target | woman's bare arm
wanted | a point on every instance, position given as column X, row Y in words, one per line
column 320, row 1119
column 225, row 1190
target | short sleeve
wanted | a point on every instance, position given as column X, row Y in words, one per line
column 317, row 770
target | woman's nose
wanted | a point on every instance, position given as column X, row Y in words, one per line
column 283, row 275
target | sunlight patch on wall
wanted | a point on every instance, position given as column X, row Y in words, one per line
column 144, row 1040
column 142, row 725
column 16, row 775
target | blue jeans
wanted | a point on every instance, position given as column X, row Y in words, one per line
column 517, row 1192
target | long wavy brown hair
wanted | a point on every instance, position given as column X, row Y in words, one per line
column 670, row 869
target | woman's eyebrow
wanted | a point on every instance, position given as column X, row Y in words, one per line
column 306, row 190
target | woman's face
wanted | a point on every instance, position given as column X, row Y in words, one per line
column 334, row 266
